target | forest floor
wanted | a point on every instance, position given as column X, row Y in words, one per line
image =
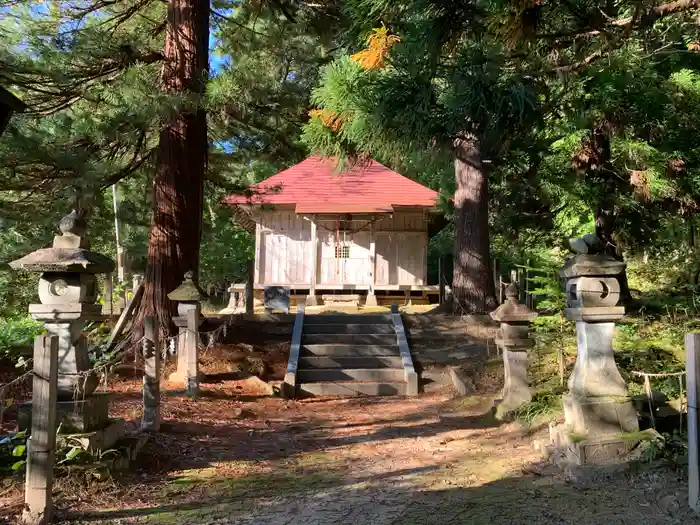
column 238, row 455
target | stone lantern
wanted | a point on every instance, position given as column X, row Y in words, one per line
column 597, row 408
column 9, row 104
column 68, row 293
column 515, row 319
column 188, row 296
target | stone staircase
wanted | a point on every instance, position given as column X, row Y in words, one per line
column 353, row 354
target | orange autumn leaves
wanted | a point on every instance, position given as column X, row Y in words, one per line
column 378, row 45
column 373, row 57
column 330, row 119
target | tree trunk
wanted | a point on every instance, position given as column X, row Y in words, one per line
column 605, row 216
column 178, row 189
column 472, row 284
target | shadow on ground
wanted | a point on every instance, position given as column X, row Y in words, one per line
column 422, row 496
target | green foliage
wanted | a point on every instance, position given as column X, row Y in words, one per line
column 17, row 333
column 544, row 405
column 90, row 77
column 671, row 448
column 12, row 452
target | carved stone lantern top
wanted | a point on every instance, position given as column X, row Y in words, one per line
column 188, row 291
column 69, row 252
column 592, row 266
column 590, row 259
column 187, row 295
column 592, row 285
column 511, row 311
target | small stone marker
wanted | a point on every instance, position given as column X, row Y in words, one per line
column 150, row 421
column 38, row 503
column 188, row 296
column 515, row 319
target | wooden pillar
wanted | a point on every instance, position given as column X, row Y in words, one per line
column 108, row 307
column 38, row 503
column 692, row 352
column 192, row 352
column 371, row 297
column 258, row 253
column 311, row 299
column 250, row 288
column 150, row 421
column 497, row 279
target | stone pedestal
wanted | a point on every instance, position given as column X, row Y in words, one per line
column 515, row 319
column 66, row 321
column 516, row 386
column 79, row 416
column 371, row 300
column 597, row 408
column 86, row 422
column 311, row 300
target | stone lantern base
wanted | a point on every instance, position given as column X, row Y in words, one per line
column 597, row 450
column 86, row 420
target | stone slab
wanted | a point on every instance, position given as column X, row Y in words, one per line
column 95, row 442
column 64, row 260
column 515, row 343
column 351, row 389
column 592, row 265
column 87, row 415
column 66, row 312
column 462, row 381
column 595, row 314
column 600, row 416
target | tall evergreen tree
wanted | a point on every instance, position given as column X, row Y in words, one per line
column 446, row 86
column 178, row 188
column 120, row 89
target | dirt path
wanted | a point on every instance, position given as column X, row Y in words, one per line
column 237, row 456
column 429, row 460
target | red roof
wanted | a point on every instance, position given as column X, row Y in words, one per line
column 314, row 186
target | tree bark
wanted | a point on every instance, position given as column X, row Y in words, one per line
column 472, row 284
column 606, row 215
column 178, row 188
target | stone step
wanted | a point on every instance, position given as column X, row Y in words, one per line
column 314, row 319
column 341, row 350
column 352, row 389
column 348, row 339
column 350, row 362
column 348, row 329
column 350, row 374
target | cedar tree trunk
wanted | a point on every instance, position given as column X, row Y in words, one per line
column 606, row 215
column 178, row 189
column 472, row 284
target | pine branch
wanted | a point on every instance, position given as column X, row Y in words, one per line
column 56, row 95
column 638, row 20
